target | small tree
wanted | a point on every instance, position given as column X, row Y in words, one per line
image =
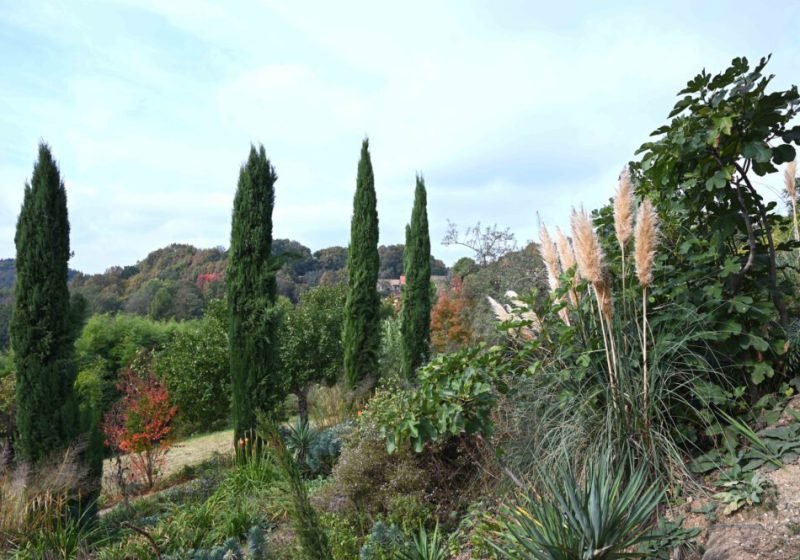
column 362, row 333
column 449, row 328
column 488, row 244
column 252, row 291
column 42, row 333
column 139, row 424
column 311, row 341
column 416, row 314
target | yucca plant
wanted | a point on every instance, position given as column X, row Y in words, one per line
column 300, row 437
column 425, row 546
column 602, row 518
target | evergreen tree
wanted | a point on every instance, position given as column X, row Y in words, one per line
column 416, row 313
column 362, row 308
column 252, row 291
column 42, row 325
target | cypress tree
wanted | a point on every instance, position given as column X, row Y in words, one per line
column 361, row 336
column 42, row 329
column 416, row 314
column 252, row 291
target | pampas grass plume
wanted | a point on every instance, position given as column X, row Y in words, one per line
column 623, row 208
column 791, row 186
column 645, row 242
column 587, row 247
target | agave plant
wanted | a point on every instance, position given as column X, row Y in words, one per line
column 424, row 546
column 601, row 519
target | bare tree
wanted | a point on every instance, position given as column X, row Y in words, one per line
column 488, row 244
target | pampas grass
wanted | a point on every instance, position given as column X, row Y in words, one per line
column 645, row 251
column 588, row 254
column 591, row 264
column 645, row 244
column 566, row 254
column 553, row 266
column 623, row 210
column 791, row 191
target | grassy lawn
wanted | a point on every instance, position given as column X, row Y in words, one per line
column 188, row 452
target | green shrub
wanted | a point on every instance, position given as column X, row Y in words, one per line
column 343, row 532
column 366, row 476
column 454, row 394
column 384, row 542
column 195, row 367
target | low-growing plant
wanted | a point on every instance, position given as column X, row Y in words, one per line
column 384, row 542
column 602, row 518
column 425, row 546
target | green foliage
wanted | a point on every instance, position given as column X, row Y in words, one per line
column 603, row 518
column 194, row 366
column 738, row 489
column 361, row 333
column 343, row 535
column 719, row 243
column 391, row 356
column 324, row 451
column 425, row 546
column 42, row 333
column 252, row 292
column 366, row 478
column 299, row 438
column 311, row 341
column 384, row 542
column 454, row 394
column 68, row 538
column 416, row 312
column 310, row 533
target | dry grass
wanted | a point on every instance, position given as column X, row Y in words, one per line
column 192, row 451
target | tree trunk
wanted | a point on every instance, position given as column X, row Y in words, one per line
column 302, row 404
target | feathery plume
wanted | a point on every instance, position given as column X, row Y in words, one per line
column 791, row 185
column 565, row 252
column 791, row 190
column 623, row 209
column 645, row 242
column 587, row 247
column 500, row 312
column 567, row 257
column 550, row 257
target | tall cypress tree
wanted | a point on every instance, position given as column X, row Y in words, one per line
column 42, row 331
column 416, row 315
column 362, row 308
column 252, row 291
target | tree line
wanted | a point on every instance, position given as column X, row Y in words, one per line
column 46, row 320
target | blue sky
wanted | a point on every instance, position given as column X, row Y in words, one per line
column 509, row 108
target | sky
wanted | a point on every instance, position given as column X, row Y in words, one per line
column 509, row 108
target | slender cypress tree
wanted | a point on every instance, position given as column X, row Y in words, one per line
column 252, row 291
column 416, row 315
column 42, row 332
column 362, row 308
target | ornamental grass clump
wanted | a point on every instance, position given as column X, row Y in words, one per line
column 645, row 252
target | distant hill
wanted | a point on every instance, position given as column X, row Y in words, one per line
column 176, row 281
